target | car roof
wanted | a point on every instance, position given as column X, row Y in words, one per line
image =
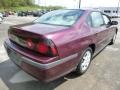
column 89, row 10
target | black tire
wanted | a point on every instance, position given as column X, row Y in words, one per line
column 113, row 39
column 79, row 70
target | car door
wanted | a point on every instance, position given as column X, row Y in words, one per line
column 110, row 28
column 100, row 32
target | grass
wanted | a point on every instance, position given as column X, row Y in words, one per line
column 25, row 8
column 29, row 8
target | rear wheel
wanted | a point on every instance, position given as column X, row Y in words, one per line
column 113, row 39
column 84, row 61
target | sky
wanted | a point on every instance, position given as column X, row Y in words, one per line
column 99, row 3
column 74, row 3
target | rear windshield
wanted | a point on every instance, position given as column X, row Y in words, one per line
column 60, row 17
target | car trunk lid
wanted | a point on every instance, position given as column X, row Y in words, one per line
column 32, row 36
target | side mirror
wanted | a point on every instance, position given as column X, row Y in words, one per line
column 114, row 23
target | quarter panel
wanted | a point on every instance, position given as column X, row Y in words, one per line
column 73, row 40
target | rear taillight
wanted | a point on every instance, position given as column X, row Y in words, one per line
column 47, row 48
column 30, row 44
column 44, row 47
column 54, row 50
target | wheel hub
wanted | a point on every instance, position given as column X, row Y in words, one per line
column 86, row 60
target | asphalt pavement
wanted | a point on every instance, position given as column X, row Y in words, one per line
column 103, row 74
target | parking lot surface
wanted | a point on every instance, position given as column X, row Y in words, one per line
column 103, row 74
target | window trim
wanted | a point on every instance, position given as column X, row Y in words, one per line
column 107, row 17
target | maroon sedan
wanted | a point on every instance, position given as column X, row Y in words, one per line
column 60, row 42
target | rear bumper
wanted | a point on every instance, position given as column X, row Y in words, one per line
column 44, row 72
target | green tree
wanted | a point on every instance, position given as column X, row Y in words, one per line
column 15, row 3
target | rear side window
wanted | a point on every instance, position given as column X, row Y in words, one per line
column 97, row 19
column 106, row 19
